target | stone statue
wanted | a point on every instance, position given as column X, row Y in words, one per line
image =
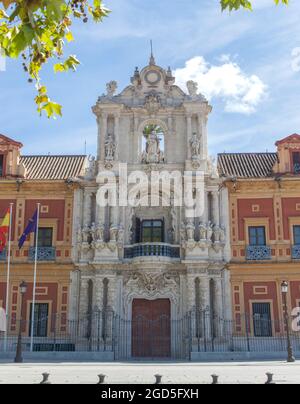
column 183, row 232
column 192, row 87
column 212, row 167
column 121, row 235
column 113, row 233
column 153, row 154
column 91, row 170
column 111, row 88
column 110, row 148
column 209, row 231
column 203, row 231
column 222, row 234
column 195, row 146
column 190, row 230
column 100, row 232
column 93, row 231
column 85, row 234
column 217, row 234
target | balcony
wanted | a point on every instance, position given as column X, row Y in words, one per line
column 152, row 250
column 258, row 253
column 296, row 252
column 43, row 253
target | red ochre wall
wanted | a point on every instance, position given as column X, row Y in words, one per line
column 245, row 211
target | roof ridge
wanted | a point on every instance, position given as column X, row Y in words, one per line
column 54, row 155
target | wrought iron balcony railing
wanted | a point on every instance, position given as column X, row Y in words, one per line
column 152, row 250
column 3, row 255
column 258, row 253
column 296, row 252
column 43, row 253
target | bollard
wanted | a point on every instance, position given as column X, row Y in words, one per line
column 270, row 378
column 45, row 378
column 157, row 379
column 215, row 379
column 101, row 379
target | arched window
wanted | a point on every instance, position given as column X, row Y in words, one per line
column 153, row 144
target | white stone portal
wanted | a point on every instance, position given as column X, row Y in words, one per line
column 157, row 251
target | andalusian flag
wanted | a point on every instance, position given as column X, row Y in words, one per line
column 4, row 229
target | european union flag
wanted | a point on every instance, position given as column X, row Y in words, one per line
column 31, row 228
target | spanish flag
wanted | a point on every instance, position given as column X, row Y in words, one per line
column 4, row 228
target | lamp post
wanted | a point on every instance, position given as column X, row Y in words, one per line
column 19, row 358
column 284, row 290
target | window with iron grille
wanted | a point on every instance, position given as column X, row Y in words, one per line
column 297, row 235
column 257, row 236
column 262, row 320
column 40, row 326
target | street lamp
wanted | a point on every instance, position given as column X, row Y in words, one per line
column 19, row 358
column 284, row 290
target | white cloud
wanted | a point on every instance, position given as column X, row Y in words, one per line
column 240, row 92
column 296, row 59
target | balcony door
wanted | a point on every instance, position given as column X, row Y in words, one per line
column 152, row 231
column 257, row 236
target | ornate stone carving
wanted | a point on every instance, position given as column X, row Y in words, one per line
column 110, row 148
column 153, row 153
column 91, row 169
column 111, row 88
column 192, row 87
column 195, row 147
column 149, row 284
column 153, row 103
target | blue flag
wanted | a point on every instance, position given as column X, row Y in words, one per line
column 31, row 228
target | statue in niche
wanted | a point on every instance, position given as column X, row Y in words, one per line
column 190, row 230
column 203, row 231
column 195, row 146
column 153, row 153
column 111, row 88
column 100, row 232
column 110, row 148
column 93, row 231
column 86, row 234
column 210, row 231
column 192, row 87
column 217, row 234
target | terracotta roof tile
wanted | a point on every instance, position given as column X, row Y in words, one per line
column 246, row 165
column 53, row 167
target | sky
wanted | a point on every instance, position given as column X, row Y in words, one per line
column 246, row 63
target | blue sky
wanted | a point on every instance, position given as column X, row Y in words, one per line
column 242, row 61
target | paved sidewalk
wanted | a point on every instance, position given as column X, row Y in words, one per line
column 143, row 373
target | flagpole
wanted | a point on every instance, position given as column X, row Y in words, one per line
column 8, row 276
column 34, row 277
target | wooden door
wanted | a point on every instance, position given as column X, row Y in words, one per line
column 151, row 328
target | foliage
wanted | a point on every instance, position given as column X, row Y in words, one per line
column 237, row 4
column 37, row 30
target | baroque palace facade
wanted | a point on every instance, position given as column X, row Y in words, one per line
column 264, row 209
column 142, row 279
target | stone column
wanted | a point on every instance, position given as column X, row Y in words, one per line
column 87, row 207
column 117, row 129
column 218, row 306
column 203, row 121
column 200, row 134
column 216, row 208
column 189, row 135
column 205, row 303
column 103, row 134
